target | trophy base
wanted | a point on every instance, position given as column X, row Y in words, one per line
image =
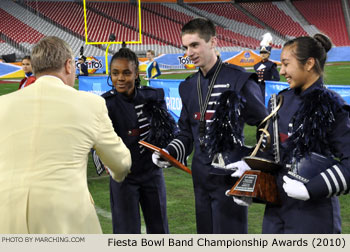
column 262, row 164
column 258, row 185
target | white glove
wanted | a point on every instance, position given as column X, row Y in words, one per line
column 295, row 189
column 241, row 167
column 241, row 201
column 159, row 161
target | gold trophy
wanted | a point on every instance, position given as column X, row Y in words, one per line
column 260, row 182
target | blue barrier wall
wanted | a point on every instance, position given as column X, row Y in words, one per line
column 173, row 61
column 171, row 95
column 94, row 84
column 98, row 85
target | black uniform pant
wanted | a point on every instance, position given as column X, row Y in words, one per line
column 215, row 212
column 146, row 190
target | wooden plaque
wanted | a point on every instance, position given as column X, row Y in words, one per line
column 260, row 186
column 166, row 156
column 258, row 183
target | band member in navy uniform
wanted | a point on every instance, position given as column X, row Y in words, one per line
column 138, row 113
column 266, row 69
column 200, row 95
column 314, row 128
column 83, row 69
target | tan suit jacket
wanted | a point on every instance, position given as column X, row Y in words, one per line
column 46, row 133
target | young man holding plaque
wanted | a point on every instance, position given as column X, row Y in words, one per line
column 223, row 87
column 314, row 127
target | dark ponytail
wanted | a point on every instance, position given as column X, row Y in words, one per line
column 315, row 47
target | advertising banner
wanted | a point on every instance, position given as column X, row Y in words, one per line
column 94, row 84
column 8, row 70
column 98, row 85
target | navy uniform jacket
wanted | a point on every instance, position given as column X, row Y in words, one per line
column 267, row 71
column 230, row 78
column 334, row 180
column 131, row 123
column 84, row 69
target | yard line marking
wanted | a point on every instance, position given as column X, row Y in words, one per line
column 100, row 211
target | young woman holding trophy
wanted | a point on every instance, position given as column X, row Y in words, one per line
column 314, row 144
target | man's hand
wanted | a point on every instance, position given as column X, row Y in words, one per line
column 295, row 189
column 159, row 161
column 240, row 166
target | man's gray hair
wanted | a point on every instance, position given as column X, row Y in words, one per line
column 50, row 54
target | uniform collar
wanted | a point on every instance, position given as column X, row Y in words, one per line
column 211, row 71
column 28, row 74
column 127, row 98
column 317, row 84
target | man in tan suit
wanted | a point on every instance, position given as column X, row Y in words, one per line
column 46, row 133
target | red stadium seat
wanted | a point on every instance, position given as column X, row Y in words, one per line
column 328, row 17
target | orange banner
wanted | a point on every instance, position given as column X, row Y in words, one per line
column 246, row 59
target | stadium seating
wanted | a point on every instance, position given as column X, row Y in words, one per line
column 152, row 24
column 227, row 10
column 6, row 48
column 47, row 28
column 98, row 27
column 253, row 34
column 162, row 22
column 328, row 17
column 275, row 18
column 169, row 20
column 167, row 12
column 18, row 31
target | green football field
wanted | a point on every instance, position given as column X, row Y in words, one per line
column 180, row 197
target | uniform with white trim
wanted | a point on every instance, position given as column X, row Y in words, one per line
column 314, row 128
column 266, row 70
column 153, row 71
column 145, row 184
column 215, row 213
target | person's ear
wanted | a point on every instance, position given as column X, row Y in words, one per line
column 310, row 63
column 214, row 41
column 68, row 66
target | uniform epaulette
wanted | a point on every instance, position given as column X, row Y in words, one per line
column 226, row 64
column 147, row 88
column 284, row 90
column 157, row 93
column 190, row 76
column 109, row 93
